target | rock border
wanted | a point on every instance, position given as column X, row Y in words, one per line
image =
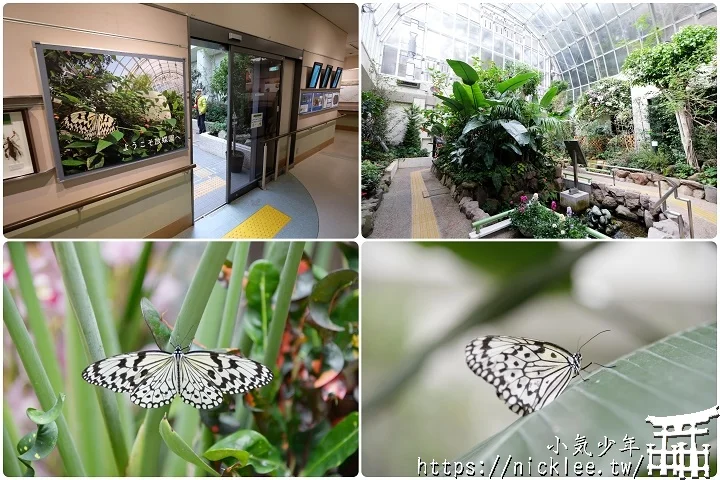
column 688, row 188
column 369, row 206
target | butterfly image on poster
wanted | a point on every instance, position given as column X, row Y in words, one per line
column 90, row 125
column 527, row 374
column 201, row 378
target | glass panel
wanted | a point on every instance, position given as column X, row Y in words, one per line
column 622, row 7
column 389, row 60
column 509, row 48
column 594, row 14
column 601, row 70
column 611, row 64
column 605, row 43
column 255, row 114
column 485, row 55
column 402, row 64
column 621, row 54
column 574, row 79
column 487, row 39
column 681, row 11
column 582, row 75
column 461, row 27
column 447, row 23
column 585, row 49
column 498, row 43
column 591, row 74
column 460, row 51
column 616, row 32
column 473, row 51
column 577, row 57
column 608, row 11
column 474, row 33
column 663, row 14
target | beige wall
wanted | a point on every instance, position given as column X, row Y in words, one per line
column 40, row 193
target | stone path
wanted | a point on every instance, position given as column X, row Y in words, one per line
column 704, row 213
column 419, row 206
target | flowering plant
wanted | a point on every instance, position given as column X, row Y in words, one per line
column 535, row 220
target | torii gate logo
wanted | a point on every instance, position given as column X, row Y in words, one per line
column 685, row 459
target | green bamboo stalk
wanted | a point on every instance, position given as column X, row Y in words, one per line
column 77, row 291
column 134, row 295
column 323, row 255
column 235, row 289
column 11, row 464
column 35, row 315
column 148, row 443
column 93, row 270
column 40, row 383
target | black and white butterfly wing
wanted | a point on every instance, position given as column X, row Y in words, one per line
column 149, row 377
column 206, row 376
column 527, row 374
column 90, row 125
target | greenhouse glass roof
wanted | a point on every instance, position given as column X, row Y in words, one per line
column 578, row 42
column 165, row 74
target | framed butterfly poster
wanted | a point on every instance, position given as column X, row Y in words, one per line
column 108, row 109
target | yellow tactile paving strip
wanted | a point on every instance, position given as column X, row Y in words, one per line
column 202, row 172
column 265, row 223
column 696, row 211
column 424, row 223
column 208, row 186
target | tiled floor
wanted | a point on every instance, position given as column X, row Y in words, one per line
column 332, row 178
column 209, row 182
column 320, row 194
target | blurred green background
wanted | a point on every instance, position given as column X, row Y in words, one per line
column 423, row 303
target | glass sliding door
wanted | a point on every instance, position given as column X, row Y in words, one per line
column 253, row 116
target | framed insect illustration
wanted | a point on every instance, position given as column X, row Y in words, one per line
column 18, row 150
column 111, row 109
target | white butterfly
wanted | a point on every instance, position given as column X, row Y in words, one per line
column 527, row 374
column 90, row 125
column 201, row 378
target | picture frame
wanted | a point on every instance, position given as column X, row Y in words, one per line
column 314, row 75
column 90, row 133
column 19, row 157
column 326, row 76
column 318, row 101
column 336, row 78
column 306, row 100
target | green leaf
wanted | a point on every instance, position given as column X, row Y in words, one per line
column 323, row 294
column 70, row 98
column 178, row 446
column 451, row 102
column 71, row 162
column 261, row 455
column 116, row 136
column 171, row 121
column 462, row 93
column 515, row 82
column 38, row 445
column 335, row 448
column 517, row 130
column 159, row 330
column 262, row 274
column 474, row 123
column 44, row 418
column 466, row 73
column 478, row 96
column 669, row 377
column 80, row 145
column 548, row 97
column 102, row 145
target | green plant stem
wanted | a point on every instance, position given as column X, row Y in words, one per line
column 288, row 276
column 282, row 303
column 40, row 382
column 133, row 297
column 205, row 441
column 35, row 316
column 9, row 423
column 93, row 270
column 277, row 253
column 235, row 291
column 147, row 445
column 77, row 292
column 513, row 293
column 323, row 255
column 11, row 465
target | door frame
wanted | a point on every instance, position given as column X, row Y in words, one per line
column 201, row 30
column 255, row 149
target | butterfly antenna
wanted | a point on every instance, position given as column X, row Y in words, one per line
column 581, row 346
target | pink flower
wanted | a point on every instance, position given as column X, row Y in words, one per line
column 521, row 208
column 524, row 199
column 553, row 206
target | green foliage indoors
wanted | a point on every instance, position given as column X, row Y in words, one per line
column 411, row 139
column 534, row 220
column 495, row 129
column 371, row 174
column 305, row 422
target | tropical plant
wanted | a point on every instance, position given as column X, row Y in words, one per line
column 673, row 67
column 298, row 314
column 411, row 138
column 535, row 220
column 502, row 129
column 371, row 174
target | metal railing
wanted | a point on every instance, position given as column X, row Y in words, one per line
column 90, row 200
column 664, row 196
column 287, row 158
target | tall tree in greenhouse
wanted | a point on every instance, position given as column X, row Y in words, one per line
column 671, row 66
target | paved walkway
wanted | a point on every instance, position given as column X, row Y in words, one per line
column 704, row 213
column 419, row 206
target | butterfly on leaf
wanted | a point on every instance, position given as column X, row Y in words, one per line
column 201, row 377
column 90, row 125
column 527, row 374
